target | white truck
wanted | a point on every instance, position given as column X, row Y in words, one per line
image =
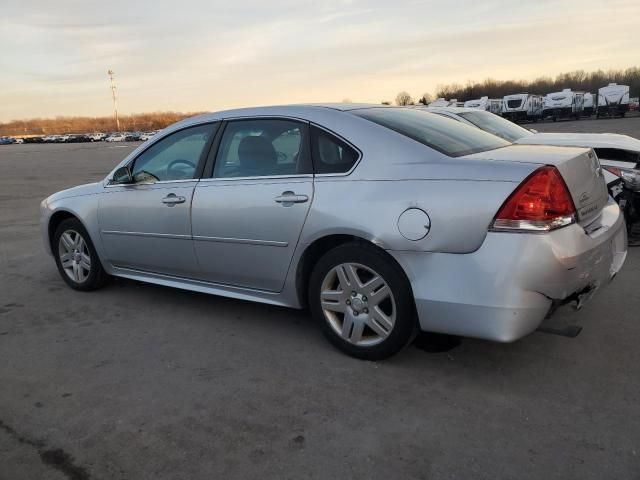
column 522, row 106
column 588, row 104
column 563, row 104
column 613, row 100
column 493, row 105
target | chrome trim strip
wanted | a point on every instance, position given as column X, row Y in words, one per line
column 266, row 177
column 162, row 182
column 147, row 234
column 246, row 241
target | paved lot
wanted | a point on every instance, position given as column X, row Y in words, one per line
column 138, row 381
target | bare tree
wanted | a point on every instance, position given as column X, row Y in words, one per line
column 426, row 99
column 403, row 98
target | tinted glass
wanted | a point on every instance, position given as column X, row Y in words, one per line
column 257, row 148
column 330, row 154
column 496, row 125
column 174, row 157
column 443, row 134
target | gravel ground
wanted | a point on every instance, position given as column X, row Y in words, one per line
column 139, row 381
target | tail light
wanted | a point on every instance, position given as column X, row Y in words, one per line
column 541, row 203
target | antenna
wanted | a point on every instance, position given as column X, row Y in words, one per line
column 115, row 99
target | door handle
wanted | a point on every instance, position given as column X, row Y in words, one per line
column 289, row 198
column 172, row 199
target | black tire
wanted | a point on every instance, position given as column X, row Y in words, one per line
column 96, row 277
column 405, row 325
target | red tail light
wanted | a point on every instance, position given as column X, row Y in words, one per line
column 541, row 203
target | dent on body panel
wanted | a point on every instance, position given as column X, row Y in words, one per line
column 459, row 212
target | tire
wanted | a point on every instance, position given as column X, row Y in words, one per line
column 384, row 319
column 82, row 269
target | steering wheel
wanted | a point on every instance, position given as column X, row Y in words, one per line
column 182, row 175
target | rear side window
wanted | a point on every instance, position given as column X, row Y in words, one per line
column 263, row 147
column 330, row 154
column 443, row 134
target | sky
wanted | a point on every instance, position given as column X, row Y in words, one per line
column 207, row 55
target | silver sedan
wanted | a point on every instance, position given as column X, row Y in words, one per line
column 383, row 221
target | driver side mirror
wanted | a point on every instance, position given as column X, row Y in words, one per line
column 122, row 176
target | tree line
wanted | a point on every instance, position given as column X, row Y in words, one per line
column 60, row 125
column 578, row 80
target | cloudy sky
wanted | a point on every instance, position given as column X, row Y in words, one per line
column 194, row 55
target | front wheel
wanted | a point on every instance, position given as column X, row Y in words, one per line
column 76, row 257
column 362, row 301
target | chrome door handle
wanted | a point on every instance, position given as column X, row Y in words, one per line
column 172, row 199
column 288, row 198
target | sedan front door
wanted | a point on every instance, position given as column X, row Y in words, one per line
column 146, row 225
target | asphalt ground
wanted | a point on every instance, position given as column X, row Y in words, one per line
column 138, row 381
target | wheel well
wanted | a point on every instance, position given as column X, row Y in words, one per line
column 55, row 220
column 316, row 250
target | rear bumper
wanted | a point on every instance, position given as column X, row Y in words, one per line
column 505, row 289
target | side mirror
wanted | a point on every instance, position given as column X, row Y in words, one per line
column 122, row 176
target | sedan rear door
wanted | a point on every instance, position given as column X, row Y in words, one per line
column 248, row 216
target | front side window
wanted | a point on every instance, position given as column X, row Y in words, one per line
column 263, row 147
column 496, row 125
column 175, row 157
column 445, row 135
column 330, row 154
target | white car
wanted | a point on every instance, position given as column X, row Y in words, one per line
column 617, row 153
column 97, row 136
column 117, row 137
column 146, row 136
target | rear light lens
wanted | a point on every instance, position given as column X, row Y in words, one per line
column 541, row 203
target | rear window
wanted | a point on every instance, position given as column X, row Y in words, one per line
column 496, row 125
column 443, row 134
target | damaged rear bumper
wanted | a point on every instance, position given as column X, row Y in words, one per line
column 505, row 289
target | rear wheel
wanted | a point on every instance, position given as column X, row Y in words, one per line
column 362, row 301
column 76, row 257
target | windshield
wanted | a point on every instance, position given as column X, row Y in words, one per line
column 443, row 134
column 496, row 125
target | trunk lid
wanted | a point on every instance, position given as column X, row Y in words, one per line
column 579, row 168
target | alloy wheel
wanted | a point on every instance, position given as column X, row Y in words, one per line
column 74, row 256
column 358, row 304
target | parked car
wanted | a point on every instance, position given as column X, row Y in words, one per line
column 146, row 136
column 7, row 140
column 618, row 154
column 384, row 220
column 132, row 136
column 97, row 136
column 116, row 137
column 33, row 139
column 77, row 138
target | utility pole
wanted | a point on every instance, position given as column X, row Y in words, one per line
column 115, row 99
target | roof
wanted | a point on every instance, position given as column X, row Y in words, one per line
column 453, row 109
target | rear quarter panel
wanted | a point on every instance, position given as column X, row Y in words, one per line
column 460, row 211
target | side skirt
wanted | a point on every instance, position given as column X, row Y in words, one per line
column 240, row 293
